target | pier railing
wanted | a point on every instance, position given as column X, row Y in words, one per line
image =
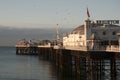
column 21, row 45
column 101, row 48
column 82, row 48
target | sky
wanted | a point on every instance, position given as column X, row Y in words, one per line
column 15, row 15
column 48, row 13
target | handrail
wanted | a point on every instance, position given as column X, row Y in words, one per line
column 97, row 48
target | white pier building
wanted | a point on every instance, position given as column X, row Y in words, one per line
column 100, row 35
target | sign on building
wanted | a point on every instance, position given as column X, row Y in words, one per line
column 107, row 21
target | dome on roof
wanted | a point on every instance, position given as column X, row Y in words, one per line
column 23, row 42
column 79, row 29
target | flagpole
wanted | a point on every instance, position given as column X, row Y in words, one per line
column 88, row 14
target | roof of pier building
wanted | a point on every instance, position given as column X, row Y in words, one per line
column 79, row 29
column 22, row 42
column 106, row 26
column 43, row 42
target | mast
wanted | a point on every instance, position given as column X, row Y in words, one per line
column 57, row 34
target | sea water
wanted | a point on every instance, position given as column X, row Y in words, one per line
column 16, row 67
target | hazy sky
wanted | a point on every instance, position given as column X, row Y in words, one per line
column 45, row 13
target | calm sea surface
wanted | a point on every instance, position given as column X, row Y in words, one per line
column 16, row 67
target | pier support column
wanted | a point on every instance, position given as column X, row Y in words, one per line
column 113, row 69
column 77, row 67
column 67, row 65
column 17, row 50
column 90, row 69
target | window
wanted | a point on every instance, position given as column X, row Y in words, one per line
column 114, row 33
column 106, row 42
column 104, row 33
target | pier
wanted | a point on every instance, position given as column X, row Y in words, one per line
column 90, row 52
column 78, row 64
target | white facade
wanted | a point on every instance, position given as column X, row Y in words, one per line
column 92, row 35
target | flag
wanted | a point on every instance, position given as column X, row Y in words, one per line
column 88, row 14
